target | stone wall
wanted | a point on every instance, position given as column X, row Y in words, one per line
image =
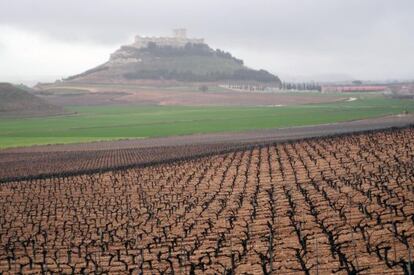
column 142, row 42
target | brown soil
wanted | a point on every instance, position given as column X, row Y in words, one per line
column 340, row 204
column 183, row 96
column 230, row 98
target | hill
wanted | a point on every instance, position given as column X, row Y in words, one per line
column 173, row 59
column 17, row 102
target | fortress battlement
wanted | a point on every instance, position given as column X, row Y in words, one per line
column 179, row 39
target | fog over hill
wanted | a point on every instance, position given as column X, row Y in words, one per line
column 175, row 58
column 369, row 40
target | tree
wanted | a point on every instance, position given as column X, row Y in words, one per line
column 203, row 88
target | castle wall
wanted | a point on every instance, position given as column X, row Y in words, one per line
column 179, row 40
column 142, row 42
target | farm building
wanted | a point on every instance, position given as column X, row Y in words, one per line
column 354, row 88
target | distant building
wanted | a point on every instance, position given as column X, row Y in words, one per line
column 179, row 39
column 353, row 88
column 403, row 90
column 180, row 33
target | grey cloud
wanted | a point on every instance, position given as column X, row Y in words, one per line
column 330, row 28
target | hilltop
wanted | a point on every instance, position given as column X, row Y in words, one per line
column 175, row 58
column 17, row 102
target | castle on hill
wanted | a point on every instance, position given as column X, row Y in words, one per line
column 178, row 40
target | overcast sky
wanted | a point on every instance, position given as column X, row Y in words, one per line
column 361, row 39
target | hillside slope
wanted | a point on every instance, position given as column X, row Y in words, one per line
column 17, row 102
column 190, row 63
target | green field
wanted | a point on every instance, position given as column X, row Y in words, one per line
column 126, row 122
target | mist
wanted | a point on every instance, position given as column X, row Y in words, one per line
column 320, row 39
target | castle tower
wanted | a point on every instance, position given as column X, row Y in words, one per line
column 180, row 33
column 179, row 39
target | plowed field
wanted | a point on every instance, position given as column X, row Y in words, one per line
column 320, row 206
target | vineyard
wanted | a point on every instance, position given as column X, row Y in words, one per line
column 327, row 205
column 29, row 165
